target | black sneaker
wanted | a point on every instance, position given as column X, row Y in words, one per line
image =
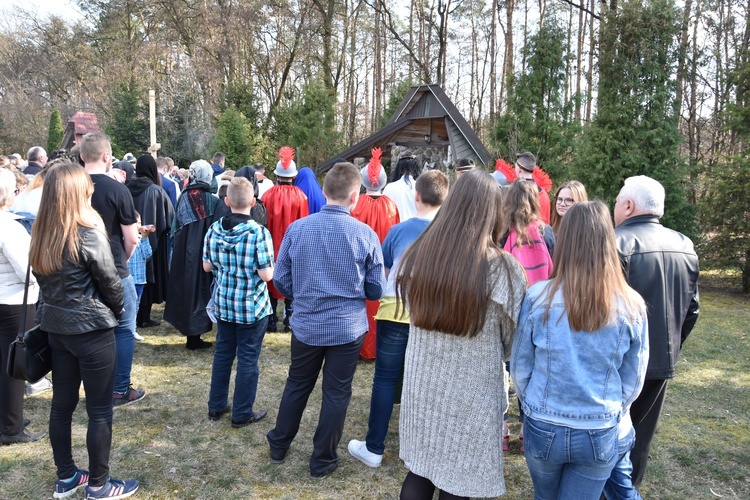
column 194, row 342
column 132, row 395
column 113, row 489
column 278, row 457
column 64, row 489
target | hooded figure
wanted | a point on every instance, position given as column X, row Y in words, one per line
column 380, row 213
column 307, row 182
column 189, row 285
column 152, row 202
column 258, row 212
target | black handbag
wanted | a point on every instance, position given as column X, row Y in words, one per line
column 29, row 357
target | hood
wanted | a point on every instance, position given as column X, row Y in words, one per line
column 138, row 185
column 233, row 229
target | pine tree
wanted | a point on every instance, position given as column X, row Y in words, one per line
column 635, row 129
column 55, row 134
column 128, row 123
column 233, row 138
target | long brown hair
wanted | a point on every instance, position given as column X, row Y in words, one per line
column 587, row 269
column 64, row 207
column 579, row 194
column 520, row 208
column 444, row 273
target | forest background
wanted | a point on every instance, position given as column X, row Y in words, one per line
column 598, row 90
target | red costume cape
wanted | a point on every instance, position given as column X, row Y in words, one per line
column 284, row 204
column 380, row 213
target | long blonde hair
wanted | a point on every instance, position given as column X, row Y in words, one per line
column 463, row 239
column 64, row 208
column 587, row 269
column 579, row 194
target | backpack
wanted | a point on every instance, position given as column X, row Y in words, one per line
column 533, row 255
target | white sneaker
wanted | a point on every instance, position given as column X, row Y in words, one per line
column 138, row 337
column 358, row 449
column 42, row 385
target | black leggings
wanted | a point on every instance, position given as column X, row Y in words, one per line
column 420, row 488
column 88, row 358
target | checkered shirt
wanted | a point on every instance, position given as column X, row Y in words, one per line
column 137, row 262
column 236, row 255
column 324, row 261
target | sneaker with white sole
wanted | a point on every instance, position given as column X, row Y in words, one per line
column 113, row 489
column 65, row 488
column 44, row 384
column 358, row 449
column 138, row 337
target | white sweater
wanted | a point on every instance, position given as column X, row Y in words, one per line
column 14, row 257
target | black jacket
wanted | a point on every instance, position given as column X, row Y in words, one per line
column 662, row 266
column 82, row 297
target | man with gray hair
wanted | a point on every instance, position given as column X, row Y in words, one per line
column 662, row 266
column 37, row 158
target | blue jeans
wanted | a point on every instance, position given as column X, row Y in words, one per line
column 620, row 483
column 567, row 463
column 124, row 337
column 390, row 349
column 139, row 292
column 243, row 341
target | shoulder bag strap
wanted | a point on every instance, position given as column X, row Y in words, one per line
column 22, row 324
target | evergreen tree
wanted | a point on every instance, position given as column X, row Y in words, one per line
column 128, row 124
column 635, row 129
column 538, row 117
column 233, row 138
column 398, row 93
column 55, row 134
column 308, row 125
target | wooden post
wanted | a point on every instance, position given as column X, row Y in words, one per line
column 154, row 147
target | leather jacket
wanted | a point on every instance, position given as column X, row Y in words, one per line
column 662, row 266
column 82, row 297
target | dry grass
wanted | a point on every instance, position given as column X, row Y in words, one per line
column 702, row 447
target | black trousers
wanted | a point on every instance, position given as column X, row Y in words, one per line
column 645, row 412
column 339, row 364
column 88, row 358
column 11, row 390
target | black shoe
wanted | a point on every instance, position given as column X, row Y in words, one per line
column 194, row 342
column 278, row 457
column 25, row 436
column 287, row 329
column 257, row 415
column 271, row 327
column 318, row 475
column 148, row 324
column 216, row 415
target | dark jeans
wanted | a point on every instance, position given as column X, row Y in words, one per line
column 273, row 319
column 88, row 358
column 338, row 372
column 243, row 341
column 390, row 349
column 645, row 412
column 11, row 390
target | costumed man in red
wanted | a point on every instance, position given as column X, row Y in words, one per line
column 380, row 213
column 527, row 169
column 285, row 203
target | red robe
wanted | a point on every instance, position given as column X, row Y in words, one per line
column 544, row 205
column 380, row 213
column 284, row 204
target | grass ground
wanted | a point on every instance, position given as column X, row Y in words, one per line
column 701, row 450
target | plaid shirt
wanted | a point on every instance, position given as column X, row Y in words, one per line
column 324, row 262
column 137, row 262
column 236, row 255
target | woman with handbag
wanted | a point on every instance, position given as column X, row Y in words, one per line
column 14, row 258
column 82, row 299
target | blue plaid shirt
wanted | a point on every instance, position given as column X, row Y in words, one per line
column 323, row 264
column 137, row 262
column 236, row 255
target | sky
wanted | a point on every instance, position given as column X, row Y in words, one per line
column 66, row 9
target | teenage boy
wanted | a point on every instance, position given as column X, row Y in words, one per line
column 239, row 253
column 329, row 264
column 392, row 328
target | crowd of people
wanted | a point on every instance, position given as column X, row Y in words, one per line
column 461, row 294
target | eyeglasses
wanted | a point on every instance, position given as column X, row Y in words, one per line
column 565, row 201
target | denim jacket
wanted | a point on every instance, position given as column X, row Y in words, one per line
column 582, row 380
